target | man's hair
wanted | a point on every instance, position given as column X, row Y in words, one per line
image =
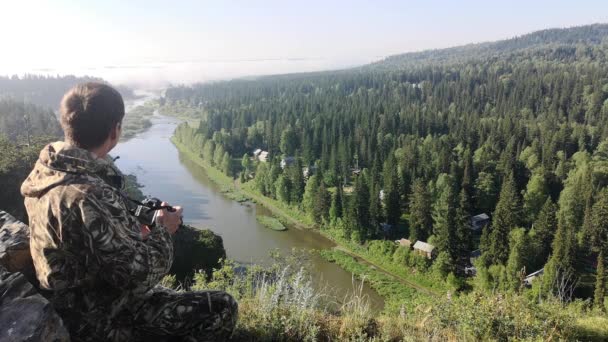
column 89, row 112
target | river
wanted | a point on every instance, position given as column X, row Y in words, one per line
column 169, row 175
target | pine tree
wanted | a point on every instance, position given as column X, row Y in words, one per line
column 463, row 230
column 560, row 271
column 261, row 178
column 246, row 164
column 358, row 212
column 600, row 283
column 322, row 204
column 375, row 204
column 599, row 222
column 536, row 193
column 392, row 205
column 518, row 257
column 297, row 181
column 283, row 188
column 506, row 217
column 337, row 204
column 420, row 212
column 444, row 217
column 310, row 195
column 543, row 231
column 227, row 164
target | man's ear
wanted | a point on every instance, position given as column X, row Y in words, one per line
column 115, row 133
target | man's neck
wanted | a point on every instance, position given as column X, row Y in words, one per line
column 98, row 152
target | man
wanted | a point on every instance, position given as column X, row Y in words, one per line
column 95, row 262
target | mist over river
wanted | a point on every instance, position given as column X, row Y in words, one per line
column 169, row 175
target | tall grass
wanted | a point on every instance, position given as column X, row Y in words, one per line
column 281, row 303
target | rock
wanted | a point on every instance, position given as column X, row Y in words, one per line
column 24, row 314
column 194, row 250
column 15, row 253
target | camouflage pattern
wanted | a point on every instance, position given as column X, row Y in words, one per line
column 94, row 265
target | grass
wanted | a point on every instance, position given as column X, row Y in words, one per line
column 279, row 303
column 396, row 293
column 271, row 222
column 419, row 278
column 592, row 328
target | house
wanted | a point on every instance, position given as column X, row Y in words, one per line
column 404, row 242
column 256, row 153
column 425, row 249
column 470, row 271
column 287, row 161
column 309, row 171
column 479, row 221
column 263, row 156
column 530, row 277
column 355, row 171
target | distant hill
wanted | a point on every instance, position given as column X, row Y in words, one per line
column 46, row 91
column 561, row 42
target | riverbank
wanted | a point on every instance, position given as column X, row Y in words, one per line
column 390, row 279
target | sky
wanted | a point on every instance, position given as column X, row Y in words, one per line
column 157, row 42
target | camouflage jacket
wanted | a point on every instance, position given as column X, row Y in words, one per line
column 87, row 248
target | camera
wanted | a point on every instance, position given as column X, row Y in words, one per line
column 147, row 210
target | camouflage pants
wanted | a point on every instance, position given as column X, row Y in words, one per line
column 185, row 316
column 166, row 315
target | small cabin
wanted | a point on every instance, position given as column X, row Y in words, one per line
column 404, row 243
column 309, row 171
column 479, row 221
column 530, row 277
column 263, row 156
column 355, row 171
column 287, row 161
column 425, row 249
column 256, row 153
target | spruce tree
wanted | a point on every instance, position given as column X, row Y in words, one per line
column 518, row 257
column 506, row 217
column 283, row 189
column 227, row 164
column 297, row 181
column 246, row 164
column 599, row 222
column 560, row 271
column 310, row 195
column 420, row 219
column 463, row 229
column 600, row 283
column 375, row 205
column 543, row 231
column 337, row 204
column 322, row 204
column 444, row 217
column 358, row 216
column 392, row 205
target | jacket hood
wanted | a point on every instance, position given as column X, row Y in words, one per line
column 58, row 163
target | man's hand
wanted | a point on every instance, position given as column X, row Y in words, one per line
column 170, row 219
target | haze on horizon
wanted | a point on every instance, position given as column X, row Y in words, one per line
column 150, row 43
